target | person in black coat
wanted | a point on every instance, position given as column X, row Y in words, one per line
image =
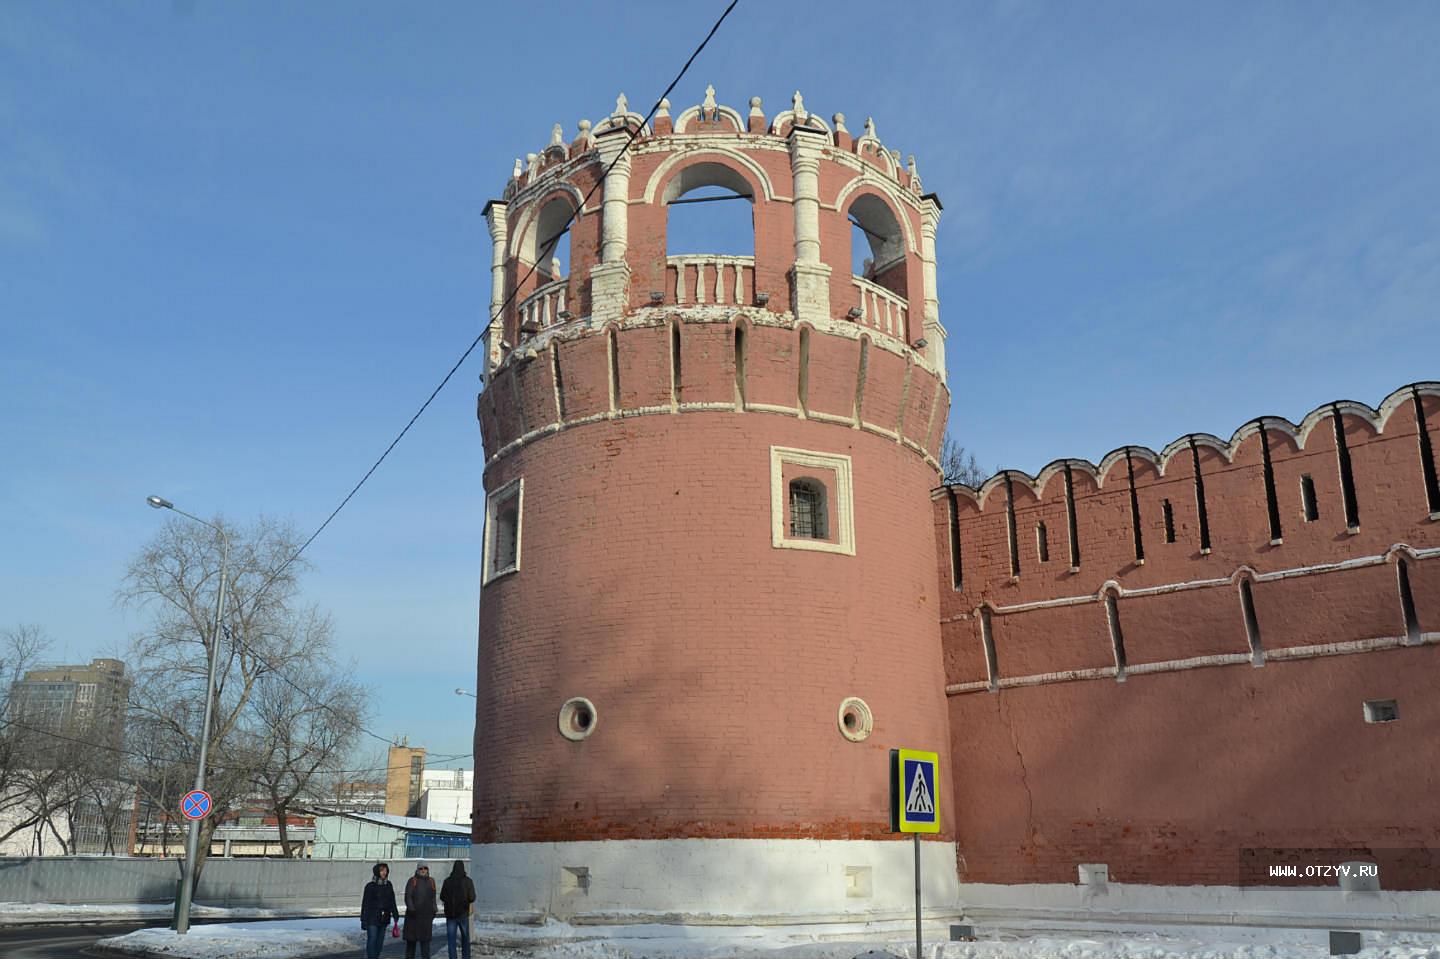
column 377, row 909
column 457, row 894
column 419, row 911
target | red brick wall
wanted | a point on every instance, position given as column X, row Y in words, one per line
column 716, row 681
column 1167, row 775
column 649, row 584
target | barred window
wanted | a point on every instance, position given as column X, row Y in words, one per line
column 503, row 510
column 507, row 528
column 807, row 509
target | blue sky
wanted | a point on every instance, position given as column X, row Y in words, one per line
column 240, row 243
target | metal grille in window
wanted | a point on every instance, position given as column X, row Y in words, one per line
column 807, row 510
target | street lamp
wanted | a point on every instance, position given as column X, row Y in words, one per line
column 465, row 692
column 192, row 841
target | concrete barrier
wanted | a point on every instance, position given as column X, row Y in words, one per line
column 252, row 883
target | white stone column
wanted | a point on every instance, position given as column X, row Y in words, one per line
column 496, row 219
column 810, row 278
column 934, row 333
column 610, row 278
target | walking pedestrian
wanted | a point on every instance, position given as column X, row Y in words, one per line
column 457, row 894
column 377, row 909
column 419, row 911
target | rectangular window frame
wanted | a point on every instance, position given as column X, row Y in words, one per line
column 515, row 489
column 841, row 519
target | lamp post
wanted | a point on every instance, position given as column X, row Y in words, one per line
column 192, row 841
column 464, row 692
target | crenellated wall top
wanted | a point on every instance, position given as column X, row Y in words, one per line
column 710, row 120
column 1373, row 417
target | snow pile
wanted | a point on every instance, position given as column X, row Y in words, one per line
column 251, row 940
column 300, row 937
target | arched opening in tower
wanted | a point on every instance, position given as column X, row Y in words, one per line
column 709, row 210
column 877, row 244
column 546, row 243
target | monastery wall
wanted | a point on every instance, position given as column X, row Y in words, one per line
column 1162, row 660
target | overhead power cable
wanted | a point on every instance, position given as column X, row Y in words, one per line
column 599, row 182
column 633, row 134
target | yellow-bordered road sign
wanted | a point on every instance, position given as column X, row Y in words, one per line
column 914, row 791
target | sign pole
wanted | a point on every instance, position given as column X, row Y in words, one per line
column 915, row 808
column 918, row 943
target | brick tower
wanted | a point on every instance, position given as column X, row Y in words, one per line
column 709, row 604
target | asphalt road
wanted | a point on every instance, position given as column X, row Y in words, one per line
column 74, row 941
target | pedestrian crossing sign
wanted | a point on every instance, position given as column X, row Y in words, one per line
column 914, row 791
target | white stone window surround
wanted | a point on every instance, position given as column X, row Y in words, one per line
column 513, row 490
column 841, row 521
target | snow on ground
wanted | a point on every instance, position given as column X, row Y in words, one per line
column 300, row 937
column 252, row 940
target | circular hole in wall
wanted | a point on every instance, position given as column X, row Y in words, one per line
column 855, row 718
column 577, row 718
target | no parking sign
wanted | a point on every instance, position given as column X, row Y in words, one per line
column 195, row 804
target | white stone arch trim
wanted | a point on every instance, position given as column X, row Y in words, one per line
column 1347, row 408
column 1182, row 447
column 883, row 155
column 1055, row 469
column 1243, row 572
column 890, row 194
column 1400, row 551
column 684, row 119
column 961, row 491
column 685, row 158
column 530, row 212
column 780, row 126
column 1115, row 456
column 996, row 482
column 1398, row 398
column 623, row 119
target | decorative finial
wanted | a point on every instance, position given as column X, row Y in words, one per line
column 529, row 162
column 755, row 110
column 798, row 105
column 870, row 127
column 584, row 129
column 515, row 173
column 622, row 106
column 895, row 157
column 555, row 268
column 557, row 136
column 708, row 107
column 910, row 165
column 664, row 110
column 839, row 121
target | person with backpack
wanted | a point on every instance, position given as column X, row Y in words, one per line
column 457, row 894
column 377, row 909
column 419, row 911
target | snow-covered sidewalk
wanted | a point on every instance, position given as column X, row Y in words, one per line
column 302, row 937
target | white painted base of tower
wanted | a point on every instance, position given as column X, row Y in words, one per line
column 709, row 882
column 1121, row 906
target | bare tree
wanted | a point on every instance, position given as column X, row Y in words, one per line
column 959, row 465
column 267, row 637
column 305, row 735
column 22, row 743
